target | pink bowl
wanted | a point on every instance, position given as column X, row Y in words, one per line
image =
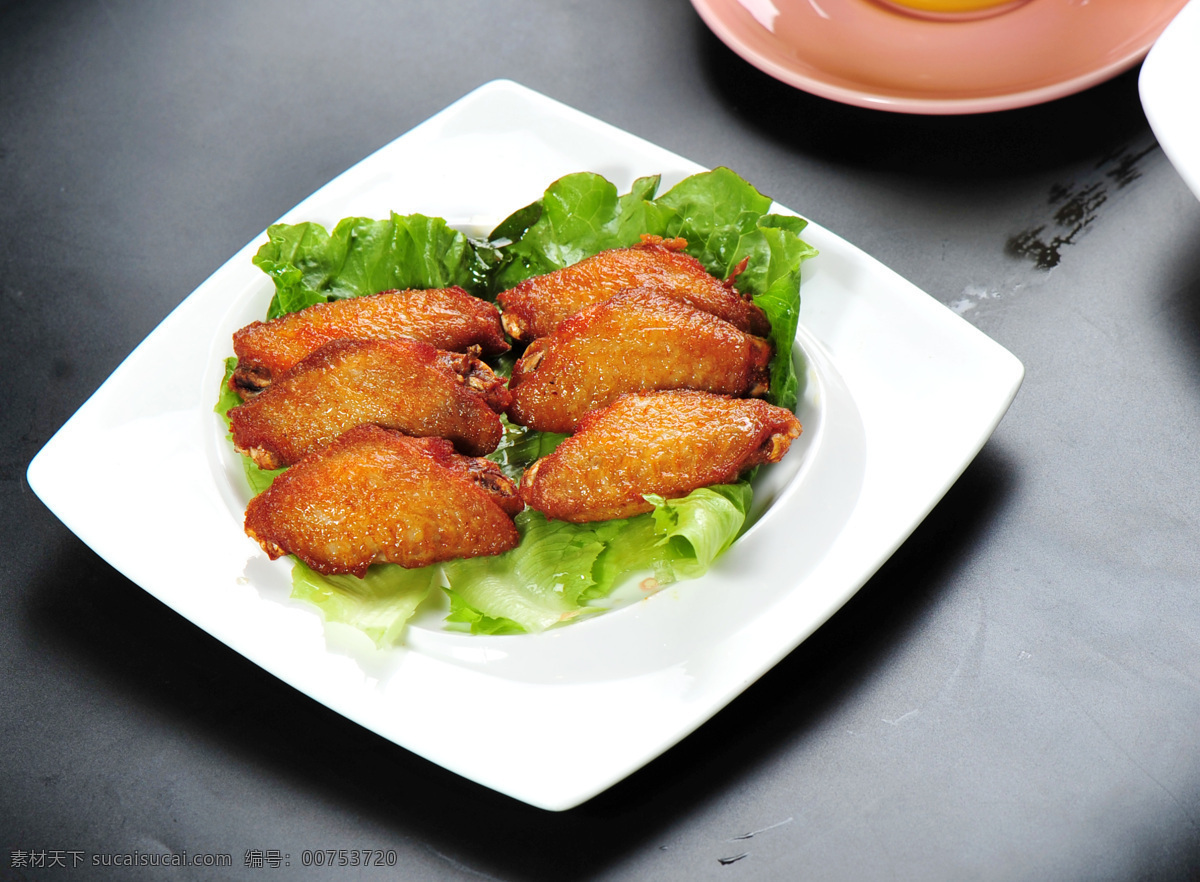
column 864, row 53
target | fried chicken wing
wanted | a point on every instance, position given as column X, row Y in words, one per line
column 535, row 307
column 664, row 443
column 636, row 341
column 376, row 495
column 448, row 318
column 397, row 384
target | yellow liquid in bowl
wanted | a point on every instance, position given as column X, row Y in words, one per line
column 952, row 10
column 950, row 6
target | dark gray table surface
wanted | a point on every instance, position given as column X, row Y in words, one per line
column 1016, row 694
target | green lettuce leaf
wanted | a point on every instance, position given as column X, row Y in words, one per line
column 703, row 524
column 463, row 618
column 536, row 585
column 379, row 604
column 364, row 256
column 724, row 219
column 558, row 569
column 578, row 216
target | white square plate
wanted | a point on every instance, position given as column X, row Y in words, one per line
column 901, row 394
column 1168, row 86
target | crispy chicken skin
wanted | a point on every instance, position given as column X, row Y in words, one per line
column 448, row 318
column 376, row 495
column 398, row 384
column 636, row 341
column 665, row 443
column 535, row 307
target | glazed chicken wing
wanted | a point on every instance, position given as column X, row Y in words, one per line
column 535, row 307
column 664, row 443
column 376, row 495
column 448, row 318
column 398, row 384
column 636, row 341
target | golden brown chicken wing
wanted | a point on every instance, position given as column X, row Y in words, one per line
column 535, row 307
column 398, row 384
column 376, row 495
column 448, row 318
column 664, row 443
column 636, row 341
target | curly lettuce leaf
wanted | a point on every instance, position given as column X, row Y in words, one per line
column 703, row 524
column 724, row 219
column 536, row 585
column 715, row 211
column 362, row 256
column 578, row 216
column 379, row 604
column 559, row 569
